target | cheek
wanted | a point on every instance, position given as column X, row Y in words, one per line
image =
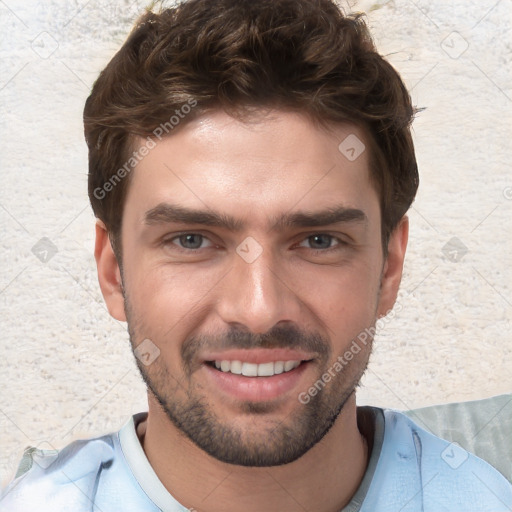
column 165, row 298
column 346, row 301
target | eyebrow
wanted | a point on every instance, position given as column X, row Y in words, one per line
column 336, row 215
column 165, row 213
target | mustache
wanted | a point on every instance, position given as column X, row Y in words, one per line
column 289, row 337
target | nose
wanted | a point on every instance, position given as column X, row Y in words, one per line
column 257, row 294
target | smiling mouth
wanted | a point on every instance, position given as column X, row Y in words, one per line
column 246, row 369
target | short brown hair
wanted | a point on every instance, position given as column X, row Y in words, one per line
column 241, row 55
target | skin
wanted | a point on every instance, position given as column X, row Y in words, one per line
column 327, row 289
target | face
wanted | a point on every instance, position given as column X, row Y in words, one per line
column 252, row 259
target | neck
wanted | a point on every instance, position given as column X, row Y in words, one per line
column 334, row 468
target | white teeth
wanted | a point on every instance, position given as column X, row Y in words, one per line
column 265, row 370
column 278, row 367
column 236, row 367
column 256, row 370
column 289, row 365
column 250, row 369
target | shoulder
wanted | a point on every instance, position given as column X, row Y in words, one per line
column 431, row 474
column 72, row 470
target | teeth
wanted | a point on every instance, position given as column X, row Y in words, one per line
column 236, row 367
column 265, row 370
column 248, row 369
column 256, row 370
column 289, row 365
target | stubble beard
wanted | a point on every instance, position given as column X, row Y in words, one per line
column 271, row 442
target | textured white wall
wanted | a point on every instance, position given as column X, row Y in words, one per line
column 66, row 369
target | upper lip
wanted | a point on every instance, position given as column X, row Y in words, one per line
column 258, row 355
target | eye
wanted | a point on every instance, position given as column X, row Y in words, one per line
column 321, row 241
column 190, row 241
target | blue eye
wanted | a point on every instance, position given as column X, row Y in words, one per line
column 190, row 240
column 321, row 241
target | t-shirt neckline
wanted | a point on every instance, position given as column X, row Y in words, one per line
column 155, row 490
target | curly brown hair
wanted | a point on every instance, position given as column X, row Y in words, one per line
column 244, row 56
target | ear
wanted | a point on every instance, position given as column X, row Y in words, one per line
column 393, row 267
column 109, row 274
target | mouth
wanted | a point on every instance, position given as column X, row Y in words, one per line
column 246, row 369
column 257, row 376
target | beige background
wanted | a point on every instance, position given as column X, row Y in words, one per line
column 66, row 369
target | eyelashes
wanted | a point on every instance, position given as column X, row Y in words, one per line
column 192, row 242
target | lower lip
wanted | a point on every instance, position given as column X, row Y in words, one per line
column 256, row 389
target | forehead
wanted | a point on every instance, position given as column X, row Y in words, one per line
column 263, row 166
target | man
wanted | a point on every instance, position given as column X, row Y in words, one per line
column 251, row 166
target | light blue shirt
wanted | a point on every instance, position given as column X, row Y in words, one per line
column 410, row 470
